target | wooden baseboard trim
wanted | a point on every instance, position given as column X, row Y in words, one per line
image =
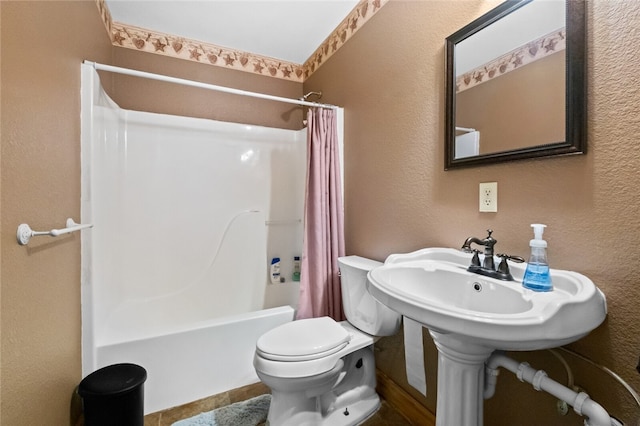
column 403, row 402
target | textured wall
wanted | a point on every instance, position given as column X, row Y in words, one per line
column 390, row 79
column 43, row 44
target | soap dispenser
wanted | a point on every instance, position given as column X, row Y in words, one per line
column 537, row 276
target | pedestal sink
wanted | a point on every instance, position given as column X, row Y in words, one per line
column 470, row 315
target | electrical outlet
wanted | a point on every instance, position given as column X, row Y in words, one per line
column 489, row 197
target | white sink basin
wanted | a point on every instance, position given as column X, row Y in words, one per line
column 433, row 287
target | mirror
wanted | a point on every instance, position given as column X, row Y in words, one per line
column 515, row 84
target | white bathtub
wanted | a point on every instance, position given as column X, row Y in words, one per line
column 210, row 358
column 175, row 268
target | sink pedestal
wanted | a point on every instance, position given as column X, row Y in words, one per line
column 460, row 380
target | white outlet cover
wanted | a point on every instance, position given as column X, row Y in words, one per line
column 488, row 197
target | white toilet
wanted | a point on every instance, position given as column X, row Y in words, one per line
column 322, row 372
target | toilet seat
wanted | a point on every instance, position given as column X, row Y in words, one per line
column 296, row 368
column 303, row 340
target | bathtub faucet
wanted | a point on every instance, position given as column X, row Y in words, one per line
column 488, row 267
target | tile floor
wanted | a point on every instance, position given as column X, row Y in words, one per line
column 386, row 416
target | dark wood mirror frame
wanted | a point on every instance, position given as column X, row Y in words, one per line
column 576, row 98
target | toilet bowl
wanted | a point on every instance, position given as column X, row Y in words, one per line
column 322, row 372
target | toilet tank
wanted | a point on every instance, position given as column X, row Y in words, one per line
column 361, row 309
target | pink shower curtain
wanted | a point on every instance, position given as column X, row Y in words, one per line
column 320, row 293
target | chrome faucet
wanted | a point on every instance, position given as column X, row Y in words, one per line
column 488, row 267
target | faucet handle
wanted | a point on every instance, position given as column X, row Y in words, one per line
column 517, row 259
column 503, row 267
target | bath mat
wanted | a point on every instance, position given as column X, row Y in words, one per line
column 251, row 412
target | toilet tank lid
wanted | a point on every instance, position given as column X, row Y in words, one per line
column 303, row 337
column 359, row 262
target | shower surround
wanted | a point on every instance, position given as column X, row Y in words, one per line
column 186, row 213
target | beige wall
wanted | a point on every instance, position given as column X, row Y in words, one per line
column 390, row 79
column 43, row 44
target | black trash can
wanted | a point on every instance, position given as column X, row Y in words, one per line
column 114, row 396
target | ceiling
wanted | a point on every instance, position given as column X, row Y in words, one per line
column 289, row 30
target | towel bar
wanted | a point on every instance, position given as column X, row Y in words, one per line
column 25, row 232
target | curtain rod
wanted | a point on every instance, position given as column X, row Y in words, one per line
column 160, row 77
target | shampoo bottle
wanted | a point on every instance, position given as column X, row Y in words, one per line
column 274, row 271
column 536, row 276
column 296, row 268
